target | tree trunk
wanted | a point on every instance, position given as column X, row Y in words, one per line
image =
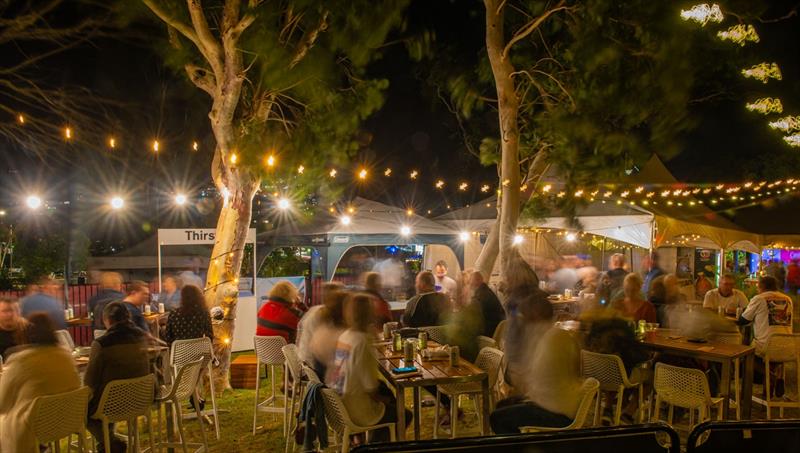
column 508, row 109
column 486, row 259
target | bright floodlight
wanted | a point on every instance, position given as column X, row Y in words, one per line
column 283, row 203
column 518, row 239
column 345, row 219
column 180, row 199
column 405, row 231
column 571, row 237
column 464, row 236
column 33, row 202
column 117, row 203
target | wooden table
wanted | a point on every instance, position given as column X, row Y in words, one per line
column 434, row 372
column 79, row 322
column 722, row 353
column 154, row 321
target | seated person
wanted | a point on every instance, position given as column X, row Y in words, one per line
column 13, row 327
column 170, row 293
column 427, row 308
column 633, row 305
column 138, row 296
column 354, row 373
column 37, row 369
column 278, row 316
column 119, row 354
column 479, row 317
column 726, row 296
column 552, row 382
column 190, row 319
column 44, row 298
column 110, row 291
column 319, row 326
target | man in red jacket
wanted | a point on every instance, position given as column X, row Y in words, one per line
column 278, row 316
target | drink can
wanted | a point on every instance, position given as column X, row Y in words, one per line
column 408, row 351
column 567, row 294
column 721, row 310
column 387, row 331
column 423, row 340
column 397, row 342
column 161, row 308
column 454, row 354
column 66, row 313
column 71, row 312
column 147, row 309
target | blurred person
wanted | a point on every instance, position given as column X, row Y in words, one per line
column 529, row 318
column 776, row 270
column 427, row 308
column 550, row 382
column 651, row 270
column 726, row 296
column 519, row 275
column 319, row 325
column 616, row 274
column 119, row 354
column 40, row 368
column 110, row 290
column 486, row 305
column 769, row 311
column 191, row 276
column 633, row 305
column 588, row 276
column 171, row 292
column 354, row 374
column 565, row 277
column 665, row 295
column 603, row 293
column 702, row 285
column 278, row 316
column 444, row 284
column 13, row 327
column 44, row 298
column 793, row 277
column 138, row 296
column 373, row 287
column 190, row 319
column 464, row 291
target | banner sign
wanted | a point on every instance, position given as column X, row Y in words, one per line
column 194, row 236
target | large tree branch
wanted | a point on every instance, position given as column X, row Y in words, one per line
column 531, row 26
column 202, row 78
column 308, row 40
column 209, row 44
column 184, row 29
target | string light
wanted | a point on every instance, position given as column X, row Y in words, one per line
column 234, row 158
column 485, row 188
column 546, row 188
column 763, row 72
column 362, row 174
column 112, row 143
column 271, row 161
column 21, row 119
column 765, row 106
column 387, row 172
column 703, row 14
column 463, row 186
column 786, row 124
column 284, row 204
column 439, row 184
column 301, row 169
column 739, row 34
column 195, row 146
column 332, row 173
column 68, row 133
column 414, row 174
column 793, row 140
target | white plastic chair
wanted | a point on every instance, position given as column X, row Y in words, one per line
column 499, row 335
column 65, row 340
column 610, row 372
column 186, row 384
column 686, row 388
column 183, row 352
column 55, row 417
column 588, row 392
column 268, row 353
column 733, row 338
column 339, row 421
column 436, row 333
column 293, row 368
column 125, row 400
column 489, row 360
column 781, row 348
column 486, row 342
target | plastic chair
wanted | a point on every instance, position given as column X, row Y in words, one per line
column 269, row 353
column 97, row 333
column 499, row 335
column 55, row 417
column 609, row 370
column 125, row 400
column 781, row 348
column 486, row 342
column 732, row 338
column 65, row 340
column 489, row 360
column 294, row 368
column 588, row 392
column 311, row 375
column 339, row 420
column 183, row 352
column 186, row 384
column 436, row 333
column 684, row 387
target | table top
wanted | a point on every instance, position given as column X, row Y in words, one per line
column 433, row 372
column 73, row 322
column 710, row 349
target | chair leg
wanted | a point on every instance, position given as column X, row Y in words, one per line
column 106, row 436
column 149, row 422
column 200, row 421
column 181, row 430
column 436, row 416
column 670, row 413
column 285, row 400
column 454, row 415
column 737, row 392
column 656, row 413
column 258, row 387
column 641, row 403
column 213, row 401
column 618, row 408
column 346, row 441
column 767, row 389
column 597, row 413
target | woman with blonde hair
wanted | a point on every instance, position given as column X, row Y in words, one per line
column 278, row 316
column 633, row 305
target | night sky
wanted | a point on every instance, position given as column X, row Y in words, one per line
column 412, row 130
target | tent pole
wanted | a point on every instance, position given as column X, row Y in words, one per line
column 158, row 240
column 603, row 255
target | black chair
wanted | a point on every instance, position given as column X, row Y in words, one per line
column 774, row 436
column 653, row 437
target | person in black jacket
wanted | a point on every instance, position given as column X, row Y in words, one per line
column 110, row 290
column 191, row 319
column 427, row 308
column 486, row 304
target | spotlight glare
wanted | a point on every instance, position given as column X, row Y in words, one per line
column 518, row 239
column 345, row 219
column 117, row 203
column 283, row 203
column 464, row 236
column 180, row 199
column 571, row 237
column 33, row 201
column 405, row 231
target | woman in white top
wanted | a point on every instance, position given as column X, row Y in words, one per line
column 318, row 326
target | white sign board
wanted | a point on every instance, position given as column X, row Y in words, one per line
column 192, row 236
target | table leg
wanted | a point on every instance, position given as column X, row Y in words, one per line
column 401, row 412
column 416, row 413
column 746, row 398
column 485, row 407
column 725, row 388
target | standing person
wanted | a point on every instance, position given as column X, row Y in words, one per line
column 726, row 296
column 427, row 308
column 191, row 276
column 13, row 327
column 119, row 354
column 44, row 298
column 444, row 284
column 770, row 312
column 373, row 286
column 138, row 295
column 38, row 369
column 278, row 316
column 651, row 270
column 793, row 277
column 616, row 274
column 633, row 305
column 110, row 290
column 354, row 374
column 566, row 277
column 170, row 293
column 190, row 319
column 486, row 304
